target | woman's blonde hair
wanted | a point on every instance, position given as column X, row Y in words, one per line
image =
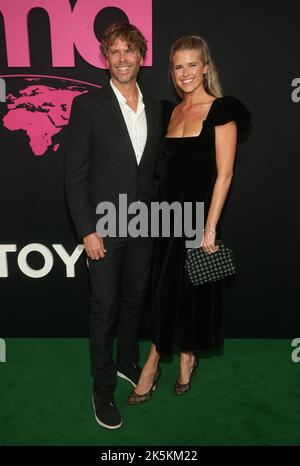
column 211, row 81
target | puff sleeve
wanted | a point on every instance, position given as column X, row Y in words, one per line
column 228, row 108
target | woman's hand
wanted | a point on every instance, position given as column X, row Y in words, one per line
column 208, row 242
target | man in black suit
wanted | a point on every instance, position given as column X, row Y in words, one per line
column 112, row 148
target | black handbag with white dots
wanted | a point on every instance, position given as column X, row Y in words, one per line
column 202, row 267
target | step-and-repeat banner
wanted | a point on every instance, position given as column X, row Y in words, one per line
column 49, row 53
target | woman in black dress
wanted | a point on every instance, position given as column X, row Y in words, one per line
column 199, row 151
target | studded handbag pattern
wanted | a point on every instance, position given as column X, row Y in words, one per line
column 202, row 267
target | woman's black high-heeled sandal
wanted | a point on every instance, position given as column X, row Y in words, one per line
column 181, row 388
column 135, row 399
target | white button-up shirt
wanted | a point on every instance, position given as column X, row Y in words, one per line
column 135, row 121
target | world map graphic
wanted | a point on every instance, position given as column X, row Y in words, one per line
column 40, row 107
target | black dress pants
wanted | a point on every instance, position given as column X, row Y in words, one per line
column 118, row 283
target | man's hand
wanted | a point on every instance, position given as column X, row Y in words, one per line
column 94, row 246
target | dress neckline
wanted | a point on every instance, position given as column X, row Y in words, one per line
column 203, row 121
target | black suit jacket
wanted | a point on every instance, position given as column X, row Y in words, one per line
column 100, row 162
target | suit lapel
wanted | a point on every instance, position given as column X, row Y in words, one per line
column 114, row 114
column 150, row 127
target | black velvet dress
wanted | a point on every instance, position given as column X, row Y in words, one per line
column 185, row 317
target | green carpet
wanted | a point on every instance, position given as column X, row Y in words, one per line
column 248, row 396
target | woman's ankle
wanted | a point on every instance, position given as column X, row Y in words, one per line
column 149, row 369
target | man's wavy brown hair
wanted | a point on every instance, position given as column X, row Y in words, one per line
column 128, row 33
